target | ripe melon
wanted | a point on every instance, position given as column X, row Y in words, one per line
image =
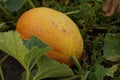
column 55, row 29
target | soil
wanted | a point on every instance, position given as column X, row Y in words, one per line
column 11, row 68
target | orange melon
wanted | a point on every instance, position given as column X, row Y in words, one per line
column 55, row 29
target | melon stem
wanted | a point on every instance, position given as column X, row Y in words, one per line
column 72, row 12
column 76, row 62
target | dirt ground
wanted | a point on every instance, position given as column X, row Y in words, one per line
column 11, row 68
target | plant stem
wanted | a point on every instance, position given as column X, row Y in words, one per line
column 34, row 78
column 72, row 12
column 4, row 10
column 76, row 62
column 1, row 73
column 3, row 59
column 27, row 75
column 31, row 4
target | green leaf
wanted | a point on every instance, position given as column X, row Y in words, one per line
column 100, row 72
column 112, row 47
column 46, row 67
column 11, row 43
column 49, row 68
column 13, row 5
column 86, row 75
column 110, row 72
column 37, row 49
column 32, row 57
column 34, row 41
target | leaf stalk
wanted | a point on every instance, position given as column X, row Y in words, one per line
column 27, row 75
column 1, row 73
column 31, row 4
column 4, row 10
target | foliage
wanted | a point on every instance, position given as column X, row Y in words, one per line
column 100, row 60
column 12, row 44
column 111, row 47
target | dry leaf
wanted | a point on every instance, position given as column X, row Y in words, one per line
column 110, row 7
column 118, row 8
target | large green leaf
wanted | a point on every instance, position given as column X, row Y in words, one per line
column 13, row 5
column 32, row 57
column 50, row 68
column 46, row 67
column 112, row 47
column 37, row 49
column 12, row 44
